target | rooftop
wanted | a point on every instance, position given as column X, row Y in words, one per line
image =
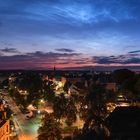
column 124, row 121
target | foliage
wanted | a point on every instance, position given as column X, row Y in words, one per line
column 89, row 134
column 66, row 86
column 65, row 108
column 71, row 112
column 137, row 86
column 59, row 106
column 123, row 74
column 67, row 138
column 9, row 112
column 31, row 82
column 20, row 100
column 50, row 129
column 128, row 81
column 48, row 91
column 96, row 110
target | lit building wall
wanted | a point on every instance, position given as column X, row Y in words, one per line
column 5, row 130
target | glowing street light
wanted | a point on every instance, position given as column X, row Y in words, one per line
column 42, row 101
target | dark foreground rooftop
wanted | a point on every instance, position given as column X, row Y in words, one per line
column 124, row 122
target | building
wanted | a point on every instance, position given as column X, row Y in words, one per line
column 124, row 123
column 4, row 124
column 111, row 87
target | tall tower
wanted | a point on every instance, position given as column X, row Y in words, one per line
column 54, row 71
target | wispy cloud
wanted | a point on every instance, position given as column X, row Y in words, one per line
column 119, row 59
column 42, row 60
column 137, row 51
column 9, row 50
column 64, row 50
column 35, row 59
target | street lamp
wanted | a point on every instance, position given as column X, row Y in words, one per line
column 42, row 101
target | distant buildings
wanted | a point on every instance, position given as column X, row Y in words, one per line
column 111, row 86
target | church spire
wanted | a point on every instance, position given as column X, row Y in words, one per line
column 54, row 69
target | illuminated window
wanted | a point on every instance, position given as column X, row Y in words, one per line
column 7, row 129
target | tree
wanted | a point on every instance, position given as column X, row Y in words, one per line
column 129, row 84
column 71, row 112
column 67, row 138
column 59, row 106
column 123, row 74
column 50, row 129
column 137, row 86
column 96, row 108
column 66, row 86
column 89, row 134
column 32, row 83
column 48, row 91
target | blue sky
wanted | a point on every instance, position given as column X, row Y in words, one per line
column 69, row 33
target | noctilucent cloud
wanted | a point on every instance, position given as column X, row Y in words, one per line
column 38, row 34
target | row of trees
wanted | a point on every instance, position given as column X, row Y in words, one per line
column 32, row 83
column 90, row 107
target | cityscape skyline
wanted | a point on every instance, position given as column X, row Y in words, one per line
column 70, row 33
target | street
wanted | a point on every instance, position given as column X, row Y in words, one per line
column 26, row 129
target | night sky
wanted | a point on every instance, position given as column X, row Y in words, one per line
column 38, row 34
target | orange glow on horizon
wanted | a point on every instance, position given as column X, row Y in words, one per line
column 73, row 65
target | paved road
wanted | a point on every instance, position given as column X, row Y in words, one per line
column 27, row 129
